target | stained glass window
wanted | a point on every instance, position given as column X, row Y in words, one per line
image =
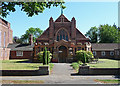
column 62, row 34
column 67, row 37
column 57, row 38
column 61, row 37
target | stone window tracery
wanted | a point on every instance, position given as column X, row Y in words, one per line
column 62, row 34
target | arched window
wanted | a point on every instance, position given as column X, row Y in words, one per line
column 57, row 38
column 62, row 34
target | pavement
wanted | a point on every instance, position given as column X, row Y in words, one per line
column 61, row 74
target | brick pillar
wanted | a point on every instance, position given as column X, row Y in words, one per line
column 51, row 30
column 73, row 30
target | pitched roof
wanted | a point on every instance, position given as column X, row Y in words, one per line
column 80, row 36
column 44, row 35
column 104, row 46
column 21, row 47
column 59, row 18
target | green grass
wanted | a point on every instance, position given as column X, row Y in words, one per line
column 51, row 66
column 75, row 65
column 103, row 63
column 21, row 65
column 115, row 81
column 22, row 82
column 106, row 63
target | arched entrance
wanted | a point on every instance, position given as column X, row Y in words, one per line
column 62, row 54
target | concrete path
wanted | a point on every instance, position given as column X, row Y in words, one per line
column 61, row 74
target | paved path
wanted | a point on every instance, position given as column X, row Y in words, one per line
column 61, row 74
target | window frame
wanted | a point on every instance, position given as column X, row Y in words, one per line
column 102, row 53
column 18, row 53
column 111, row 53
column 118, row 53
column 94, row 53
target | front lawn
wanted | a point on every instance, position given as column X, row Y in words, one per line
column 102, row 63
column 23, row 64
column 115, row 81
column 105, row 63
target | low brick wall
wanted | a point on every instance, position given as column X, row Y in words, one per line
column 43, row 70
column 104, row 71
column 98, row 71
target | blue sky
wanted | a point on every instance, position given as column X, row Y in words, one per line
column 87, row 15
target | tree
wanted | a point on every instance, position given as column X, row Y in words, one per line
column 104, row 34
column 108, row 34
column 36, row 32
column 17, row 39
column 31, row 8
column 93, row 34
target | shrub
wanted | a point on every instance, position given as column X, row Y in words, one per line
column 84, row 56
column 89, row 56
column 40, row 56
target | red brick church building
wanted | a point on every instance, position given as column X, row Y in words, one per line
column 62, row 39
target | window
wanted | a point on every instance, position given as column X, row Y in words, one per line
column 38, row 49
column 60, row 37
column 94, row 53
column 57, row 38
column 82, row 48
column 79, row 48
column 0, row 38
column 75, row 50
column 4, row 38
column 88, row 49
column 103, row 53
column 19, row 53
column 111, row 53
column 62, row 34
column 118, row 53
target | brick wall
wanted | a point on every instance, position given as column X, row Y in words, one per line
column 107, row 54
column 26, row 55
column 6, row 38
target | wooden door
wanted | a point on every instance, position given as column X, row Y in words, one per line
column 62, row 54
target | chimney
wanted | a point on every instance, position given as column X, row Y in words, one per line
column 31, row 39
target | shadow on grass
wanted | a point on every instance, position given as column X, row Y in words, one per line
column 24, row 61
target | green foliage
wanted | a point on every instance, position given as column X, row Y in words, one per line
column 45, row 55
column 84, row 56
column 36, row 32
column 89, row 56
column 75, row 65
column 40, row 56
column 17, row 39
column 104, row 34
column 93, row 34
column 31, row 8
column 108, row 34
